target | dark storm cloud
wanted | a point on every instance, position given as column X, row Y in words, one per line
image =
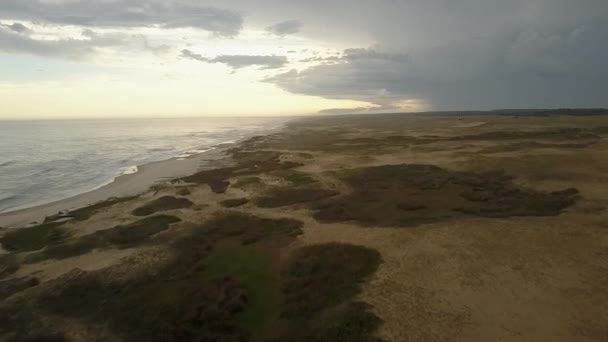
column 546, row 53
column 126, row 13
column 285, row 28
column 360, row 74
column 240, row 61
column 530, row 68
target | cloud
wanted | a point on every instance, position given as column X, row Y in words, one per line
column 126, row 13
column 13, row 42
column 464, row 54
column 240, row 61
column 195, row 56
column 17, row 27
column 461, row 54
column 526, row 68
column 360, row 74
column 285, row 28
column 72, row 48
column 346, row 111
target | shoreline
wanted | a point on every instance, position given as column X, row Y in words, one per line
column 122, row 186
column 126, row 171
column 129, row 184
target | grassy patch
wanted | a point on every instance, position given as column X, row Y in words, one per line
column 289, row 196
column 244, row 182
column 213, row 287
column 137, row 231
column 295, row 178
column 253, row 266
column 561, row 134
column 123, row 236
column 248, row 163
column 33, row 238
column 183, row 191
column 248, row 228
column 12, row 286
column 526, row 146
column 86, row 212
column 162, row 204
column 319, row 286
column 8, row 265
column 352, row 322
column 234, row 202
column 221, row 293
column 322, row 276
column 409, row 194
column 65, row 250
column 216, row 179
column 154, row 307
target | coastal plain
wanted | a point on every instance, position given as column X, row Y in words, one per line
column 485, row 226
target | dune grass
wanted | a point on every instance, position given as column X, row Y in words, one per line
column 9, row 264
column 33, row 238
column 121, row 236
column 234, row 202
column 162, row 204
column 289, row 196
column 254, row 268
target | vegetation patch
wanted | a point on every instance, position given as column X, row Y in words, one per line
column 532, row 145
column 216, row 287
column 255, row 268
column 183, row 191
column 162, row 204
column 294, row 177
column 33, row 238
column 322, row 276
column 122, row 236
column 248, row 228
column 406, row 195
column 320, row 283
column 234, row 202
column 289, row 196
column 244, row 182
column 8, row 265
column 562, row 134
column 216, row 179
column 248, row 163
column 12, row 286
column 160, row 306
column 86, row 212
column 351, row 321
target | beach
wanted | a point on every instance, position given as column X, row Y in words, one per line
column 476, row 226
column 123, row 186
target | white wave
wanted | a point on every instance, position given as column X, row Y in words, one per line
column 129, row 170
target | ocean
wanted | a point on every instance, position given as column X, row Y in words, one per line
column 44, row 161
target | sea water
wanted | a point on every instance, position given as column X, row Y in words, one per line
column 44, row 161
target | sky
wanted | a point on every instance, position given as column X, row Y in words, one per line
column 176, row 58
